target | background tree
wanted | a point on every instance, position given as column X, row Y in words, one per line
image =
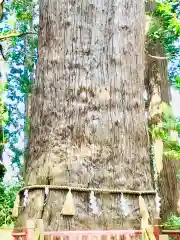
column 3, row 114
column 19, row 50
column 163, row 31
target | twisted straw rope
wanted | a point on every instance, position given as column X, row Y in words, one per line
column 84, row 189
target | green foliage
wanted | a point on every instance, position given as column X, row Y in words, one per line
column 7, row 198
column 25, row 13
column 22, row 57
column 162, row 130
column 165, row 28
column 23, row 9
column 177, row 82
column 4, row 116
column 173, row 223
column 165, row 25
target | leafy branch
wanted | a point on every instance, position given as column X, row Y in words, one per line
column 10, row 35
column 167, row 130
column 165, row 25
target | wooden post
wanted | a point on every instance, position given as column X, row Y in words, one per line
column 156, row 228
column 26, row 233
column 30, row 230
column 40, row 229
column 163, row 237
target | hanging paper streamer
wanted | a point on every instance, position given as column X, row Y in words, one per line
column 16, row 206
column 26, row 194
column 173, row 136
column 93, row 204
column 143, row 212
column 124, row 206
column 68, row 207
column 158, row 154
column 46, row 192
column 158, row 205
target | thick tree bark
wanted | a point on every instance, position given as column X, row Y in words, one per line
column 88, row 124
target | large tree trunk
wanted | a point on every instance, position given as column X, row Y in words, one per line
column 88, row 123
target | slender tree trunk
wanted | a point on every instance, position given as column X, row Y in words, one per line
column 88, row 123
column 2, row 167
column 156, row 80
column 169, row 188
column 158, row 89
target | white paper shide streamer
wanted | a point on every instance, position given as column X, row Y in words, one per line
column 94, row 204
column 46, row 191
column 26, row 194
column 158, row 205
column 124, row 206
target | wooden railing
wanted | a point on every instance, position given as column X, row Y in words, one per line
column 37, row 233
column 174, row 234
